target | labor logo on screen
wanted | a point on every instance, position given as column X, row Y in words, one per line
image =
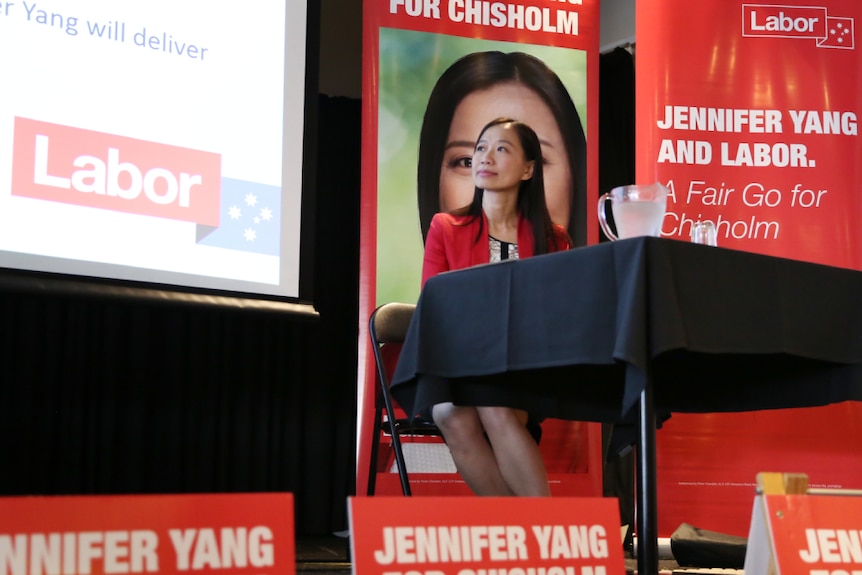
column 107, row 171
column 111, row 172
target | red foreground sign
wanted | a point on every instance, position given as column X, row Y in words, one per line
column 244, row 534
column 473, row 535
column 805, row 534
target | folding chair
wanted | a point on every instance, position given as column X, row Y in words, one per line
column 388, row 327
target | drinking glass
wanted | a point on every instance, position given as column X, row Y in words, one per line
column 704, row 233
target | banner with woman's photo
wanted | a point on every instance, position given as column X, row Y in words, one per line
column 748, row 113
column 435, row 72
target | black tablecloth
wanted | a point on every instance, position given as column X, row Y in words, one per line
column 572, row 335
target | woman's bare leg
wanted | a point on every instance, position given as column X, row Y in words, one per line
column 517, row 455
column 470, row 449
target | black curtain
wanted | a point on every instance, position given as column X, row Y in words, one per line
column 103, row 396
column 616, row 168
column 616, row 119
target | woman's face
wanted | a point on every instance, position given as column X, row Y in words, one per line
column 510, row 100
column 499, row 162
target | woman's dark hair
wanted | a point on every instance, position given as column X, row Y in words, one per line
column 531, row 193
column 483, row 70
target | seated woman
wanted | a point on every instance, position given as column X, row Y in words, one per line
column 491, row 445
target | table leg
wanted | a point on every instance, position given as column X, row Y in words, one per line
column 647, row 519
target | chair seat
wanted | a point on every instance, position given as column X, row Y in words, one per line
column 416, row 427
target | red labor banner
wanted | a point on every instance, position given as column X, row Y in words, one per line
column 748, row 112
column 434, row 73
column 754, row 125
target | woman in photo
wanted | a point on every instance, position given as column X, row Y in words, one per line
column 486, row 85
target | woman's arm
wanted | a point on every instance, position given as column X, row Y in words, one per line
column 561, row 240
column 435, row 260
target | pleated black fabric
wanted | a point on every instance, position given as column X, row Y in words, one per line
column 616, row 121
column 617, row 168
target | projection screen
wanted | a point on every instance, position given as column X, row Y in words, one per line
column 156, row 146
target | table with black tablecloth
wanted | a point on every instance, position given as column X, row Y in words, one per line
column 621, row 331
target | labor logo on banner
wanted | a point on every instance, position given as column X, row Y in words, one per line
column 770, row 21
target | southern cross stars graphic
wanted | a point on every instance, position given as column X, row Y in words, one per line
column 839, row 33
column 249, row 221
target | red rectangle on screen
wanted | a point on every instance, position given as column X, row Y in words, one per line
column 99, row 170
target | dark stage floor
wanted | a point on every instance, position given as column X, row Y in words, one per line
column 323, row 555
